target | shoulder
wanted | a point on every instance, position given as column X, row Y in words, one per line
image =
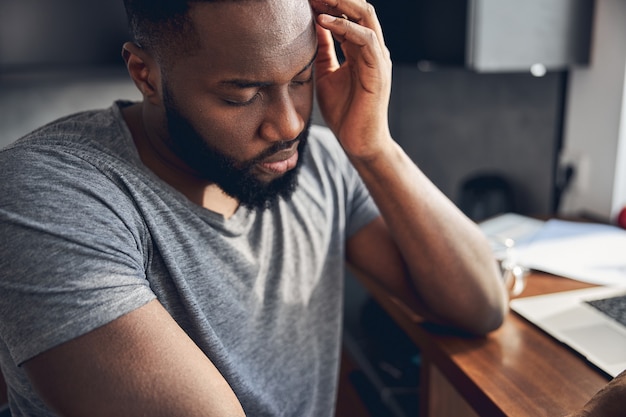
column 322, row 140
column 83, row 148
column 327, row 169
column 95, row 131
column 324, row 150
column 56, row 169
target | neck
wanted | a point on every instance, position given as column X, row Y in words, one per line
column 170, row 169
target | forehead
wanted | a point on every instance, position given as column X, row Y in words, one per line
column 252, row 37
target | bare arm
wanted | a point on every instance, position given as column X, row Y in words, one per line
column 423, row 235
column 608, row 402
column 140, row 364
column 435, row 262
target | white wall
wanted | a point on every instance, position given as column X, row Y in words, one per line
column 619, row 188
column 595, row 123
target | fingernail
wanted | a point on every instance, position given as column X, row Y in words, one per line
column 326, row 18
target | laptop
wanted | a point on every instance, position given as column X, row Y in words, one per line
column 591, row 321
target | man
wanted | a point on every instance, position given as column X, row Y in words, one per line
column 183, row 256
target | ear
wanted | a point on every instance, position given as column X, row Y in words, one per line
column 143, row 70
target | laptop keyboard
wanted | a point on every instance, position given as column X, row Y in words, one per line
column 614, row 307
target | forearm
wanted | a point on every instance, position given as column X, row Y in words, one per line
column 447, row 256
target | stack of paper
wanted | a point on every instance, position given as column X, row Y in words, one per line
column 589, row 252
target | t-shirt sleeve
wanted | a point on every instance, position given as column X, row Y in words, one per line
column 361, row 210
column 71, row 251
column 359, row 206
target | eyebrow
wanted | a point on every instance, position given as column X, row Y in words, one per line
column 243, row 83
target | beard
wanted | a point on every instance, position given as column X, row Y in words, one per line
column 235, row 178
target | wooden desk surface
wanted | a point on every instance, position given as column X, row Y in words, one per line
column 515, row 371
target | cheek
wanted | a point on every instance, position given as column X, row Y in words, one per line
column 304, row 100
column 233, row 133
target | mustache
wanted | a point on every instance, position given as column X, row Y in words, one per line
column 281, row 146
column 277, row 147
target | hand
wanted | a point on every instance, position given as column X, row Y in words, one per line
column 353, row 97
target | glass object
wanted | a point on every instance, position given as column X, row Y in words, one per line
column 513, row 273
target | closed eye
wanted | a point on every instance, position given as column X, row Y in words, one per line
column 303, row 82
column 242, row 84
column 236, row 103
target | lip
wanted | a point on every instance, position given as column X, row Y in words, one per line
column 280, row 162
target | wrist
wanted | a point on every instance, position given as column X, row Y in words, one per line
column 385, row 155
column 368, row 148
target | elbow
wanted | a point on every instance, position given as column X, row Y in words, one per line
column 485, row 310
column 477, row 319
column 490, row 322
column 477, row 313
column 487, row 317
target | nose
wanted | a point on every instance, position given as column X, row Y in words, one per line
column 282, row 119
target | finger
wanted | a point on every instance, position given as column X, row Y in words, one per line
column 351, row 35
column 357, row 11
column 369, row 64
column 326, row 60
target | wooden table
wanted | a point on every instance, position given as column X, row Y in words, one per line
column 515, row 371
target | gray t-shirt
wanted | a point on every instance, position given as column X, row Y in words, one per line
column 87, row 234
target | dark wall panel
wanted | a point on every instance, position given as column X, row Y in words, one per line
column 455, row 123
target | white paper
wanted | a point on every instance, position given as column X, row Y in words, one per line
column 509, row 226
column 589, row 252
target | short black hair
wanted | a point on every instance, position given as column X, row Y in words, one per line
column 159, row 25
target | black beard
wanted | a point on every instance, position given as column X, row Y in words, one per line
column 234, row 178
